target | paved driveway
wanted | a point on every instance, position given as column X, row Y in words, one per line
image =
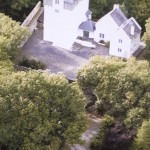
column 58, row 59
column 92, row 130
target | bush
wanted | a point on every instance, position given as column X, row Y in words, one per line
column 142, row 141
column 135, row 117
column 34, row 64
column 40, row 111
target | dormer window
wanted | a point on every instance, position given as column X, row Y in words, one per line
column 56, row 1
column 101, row 35
column 68, row 6
column 119, row 49
column 48, row 2
column 120, row 40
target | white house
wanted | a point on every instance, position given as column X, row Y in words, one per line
column 126, row 40
column 109, row 24
column 122, row 33
column 65, row 20
column 62, row 19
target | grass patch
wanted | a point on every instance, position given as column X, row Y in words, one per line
column 32, row 63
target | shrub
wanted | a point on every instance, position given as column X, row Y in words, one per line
column 34, row 64
column 142, row 141
column 134, row 117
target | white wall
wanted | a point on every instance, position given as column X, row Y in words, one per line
column 61, row 27
column 80, row 32
column 135, row 42
column 91, row 35
column 107, row 26
column 125, row 46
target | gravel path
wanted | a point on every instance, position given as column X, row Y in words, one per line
column 89, row 134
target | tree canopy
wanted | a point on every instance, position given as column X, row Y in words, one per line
column 17, row 9
column 138, row 9
column 122, row 90
column 40, row 111
column 11, row 37
column 142, row 141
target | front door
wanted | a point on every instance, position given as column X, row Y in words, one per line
column 86, row 34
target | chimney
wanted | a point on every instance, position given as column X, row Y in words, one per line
column 116, row 6
column 89, row 15
column 132, row 30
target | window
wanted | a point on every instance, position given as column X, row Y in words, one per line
column 68, row 6
column 48, row 2
column 101, row 35
column 57, row 10
column 119, row 49
column 85, row 34
column 120, row 40
column 56, row 1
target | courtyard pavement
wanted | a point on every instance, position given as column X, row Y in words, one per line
column 59, row 60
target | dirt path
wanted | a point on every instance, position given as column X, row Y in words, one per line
column 89, row 134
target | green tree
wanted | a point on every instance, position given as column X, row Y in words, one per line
column 121, row 89
column 100, row 8
column 11, row 37
column 142, row 141
column 17, row 9
column 6, row 67
column 39, row 111
column 146, row 39
column 146, row 36
column 138, row 9
column 97, row 8
column 119, row 86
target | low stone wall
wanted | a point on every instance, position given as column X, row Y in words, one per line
column 32, row 14
column 31, row 21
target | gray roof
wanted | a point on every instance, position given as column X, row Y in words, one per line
column 88, row 25
column 127, row 28
column 118, row 16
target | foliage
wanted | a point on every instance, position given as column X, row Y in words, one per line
column 92, row 74
column 40, row 111
column 101, row 7
column 142, row 141
column 6, row 67
column 11, row 37
column 118, row 138
column 17, row 9
column 96, row 7
column 122, row 89
column 33, row 64
column 135, row 117
column 138, row 9
column 146, row 36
